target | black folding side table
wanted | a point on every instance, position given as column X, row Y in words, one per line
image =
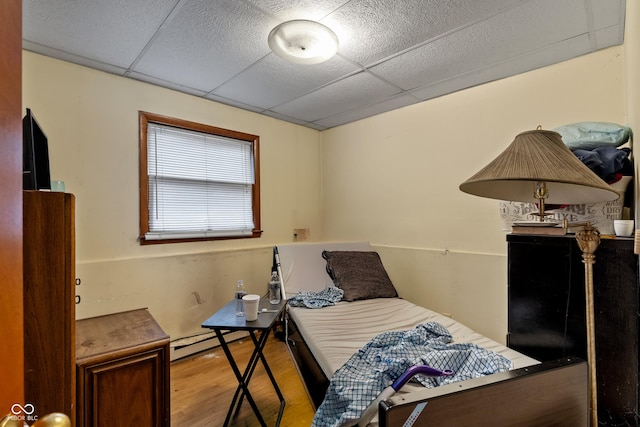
column 225, row 319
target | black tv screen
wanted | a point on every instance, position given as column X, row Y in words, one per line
column 35, row 155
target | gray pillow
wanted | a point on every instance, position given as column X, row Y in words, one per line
column 360, row 275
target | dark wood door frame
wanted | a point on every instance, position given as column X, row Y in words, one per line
column 11, row 305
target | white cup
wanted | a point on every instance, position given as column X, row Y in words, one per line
column 251, row 303
column 623, row 227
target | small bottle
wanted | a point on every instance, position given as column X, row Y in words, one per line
column 240, row 292
column 274, row 288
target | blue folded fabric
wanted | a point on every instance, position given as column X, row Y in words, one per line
column 605, row 162
column 590, row 135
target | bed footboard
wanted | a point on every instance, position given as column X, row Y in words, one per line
column 551, row 393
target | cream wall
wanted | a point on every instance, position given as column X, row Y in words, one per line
column 393, row 180
column 91, row 120
column 632, row 78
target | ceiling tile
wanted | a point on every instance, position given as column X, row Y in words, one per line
column 111, row 32
column 207, row 42
column 486, row 43
column 354, row 91
column 273, row 81
column 167, row 84
column 292, row 120
column 233, row 102
column 73, row 58
column 388, row 104
column 610, row 36
column 370, row 30
column 516, row 65
column 608, row 19
column 607, row 13
column 298, row 9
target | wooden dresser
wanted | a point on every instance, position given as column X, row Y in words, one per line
column 122, row 373
column 49, row 301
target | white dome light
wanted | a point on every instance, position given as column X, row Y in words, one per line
column 303, row 42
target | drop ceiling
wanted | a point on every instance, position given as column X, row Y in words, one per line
column 392, row 53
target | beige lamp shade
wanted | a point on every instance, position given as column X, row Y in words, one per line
column 534, row 157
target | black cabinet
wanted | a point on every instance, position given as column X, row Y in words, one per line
column 546, row 314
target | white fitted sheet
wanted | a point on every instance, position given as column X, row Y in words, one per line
column 335, row 333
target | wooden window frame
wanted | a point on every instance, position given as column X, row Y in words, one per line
column 144, row 119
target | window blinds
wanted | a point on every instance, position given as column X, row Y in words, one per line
column 200, row 185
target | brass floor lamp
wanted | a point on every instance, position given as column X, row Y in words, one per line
column 538, row 167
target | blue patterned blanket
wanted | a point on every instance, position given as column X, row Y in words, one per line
column 323, row 298
column 380, row 362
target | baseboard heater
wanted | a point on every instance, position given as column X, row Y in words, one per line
column 187, row 346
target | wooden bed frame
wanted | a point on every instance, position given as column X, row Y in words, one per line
column 315, row 381
column 551, row 393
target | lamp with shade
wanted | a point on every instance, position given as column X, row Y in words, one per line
column 538, row 167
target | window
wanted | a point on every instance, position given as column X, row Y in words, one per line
column 197, row 182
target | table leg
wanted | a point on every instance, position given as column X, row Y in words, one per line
column 258, row 346
column 261, row 345
column 243, row 385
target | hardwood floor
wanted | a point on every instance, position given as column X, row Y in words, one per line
column 202, row 387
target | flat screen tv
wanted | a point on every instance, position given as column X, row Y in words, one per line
column 35, row 155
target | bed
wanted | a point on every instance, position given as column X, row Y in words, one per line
column 323, row 340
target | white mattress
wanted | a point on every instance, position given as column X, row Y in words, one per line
column 335, row 333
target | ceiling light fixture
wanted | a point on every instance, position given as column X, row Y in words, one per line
column 303, row 42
